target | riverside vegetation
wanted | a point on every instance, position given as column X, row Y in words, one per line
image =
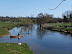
column 13, row 48
column 61, row 27
column 7, row 25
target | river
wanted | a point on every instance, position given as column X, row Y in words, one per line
column 41, row 41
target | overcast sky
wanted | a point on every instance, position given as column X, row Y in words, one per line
column 25, row 8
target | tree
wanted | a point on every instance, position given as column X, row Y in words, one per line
column 71, row 17
column 44, row 18
column 68, row 15
column 65, row 19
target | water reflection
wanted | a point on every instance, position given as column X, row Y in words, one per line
column 66, row 34
column 26, row 29
column 15, row 38
column 41, row 33
column 21, row 30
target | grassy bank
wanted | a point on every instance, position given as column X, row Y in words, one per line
column 58, row 24
column 3, row 31
column 4, row 26
column 13, row 48
column 63, row 26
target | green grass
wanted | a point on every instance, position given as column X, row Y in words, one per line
column 67, row 29
column 6, row 25
column 9, row 25
column 59, row 26
column 3, row 31
column 13, row 48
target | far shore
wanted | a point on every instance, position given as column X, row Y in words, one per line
column 60, row 27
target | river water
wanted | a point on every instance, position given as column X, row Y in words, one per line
column 41, row 41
